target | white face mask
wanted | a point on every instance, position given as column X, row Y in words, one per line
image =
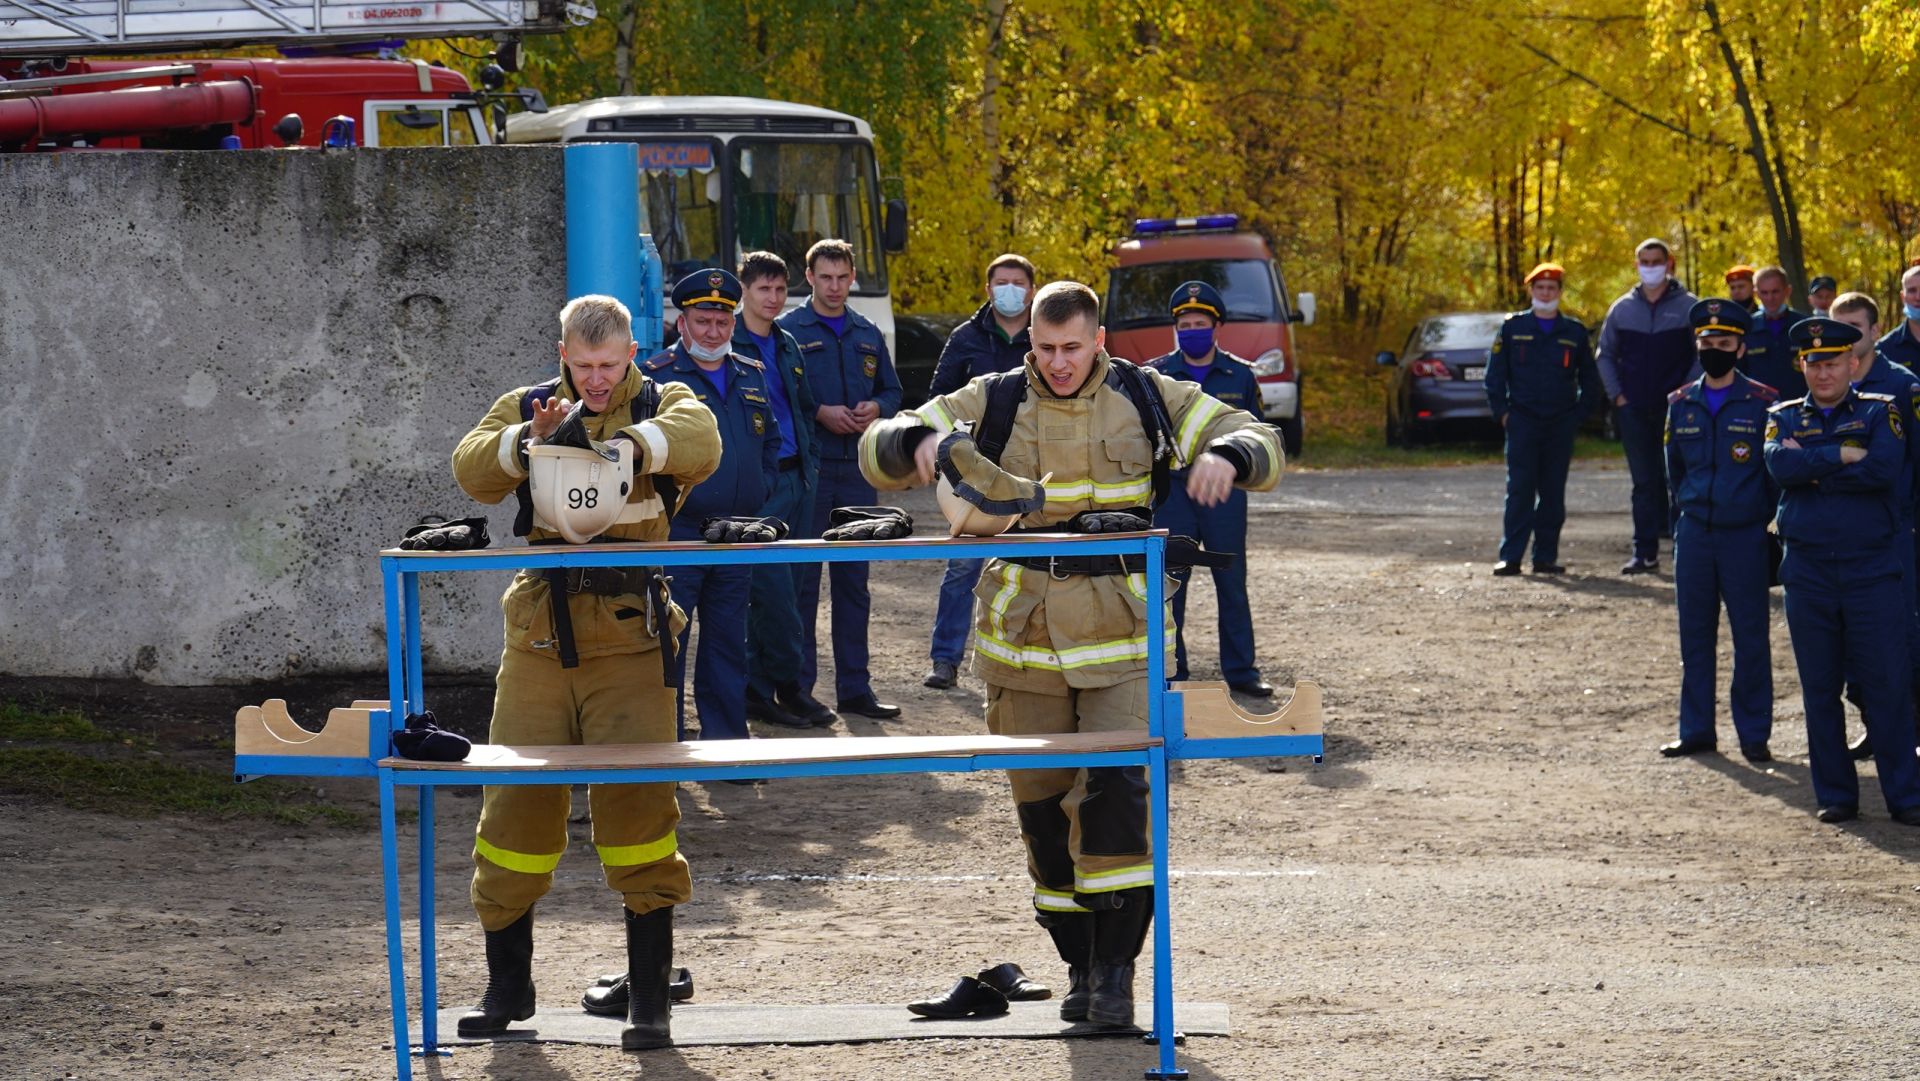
column 1545, row 307
column 1651, row 276
column 700, row 352
column 1009, row 299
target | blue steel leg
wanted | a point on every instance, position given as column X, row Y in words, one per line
column 1157, row 784
column 429, row 977
column 416, row 680
column 396, row 957
column 396, row 642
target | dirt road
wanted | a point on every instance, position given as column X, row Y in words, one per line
column 1492, row 876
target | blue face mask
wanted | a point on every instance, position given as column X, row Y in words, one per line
column 1195, row 342
column 1009, row 299
column 1912, row 312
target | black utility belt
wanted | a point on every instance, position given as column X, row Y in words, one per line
column 1063, row 566
column 608, row 581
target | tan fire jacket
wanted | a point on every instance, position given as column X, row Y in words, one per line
column 681, row 441
column 1037, row 632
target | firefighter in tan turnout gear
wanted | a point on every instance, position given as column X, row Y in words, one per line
column 582, row 662
column 1062, row 643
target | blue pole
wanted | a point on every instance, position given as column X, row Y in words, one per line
column 396, row 959
column 1157, row 786
column 603, row 224
column 396, row 645
column 429, row 977
column 649, row 323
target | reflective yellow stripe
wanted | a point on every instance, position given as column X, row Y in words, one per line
column 523, row 862
column 1108, row 652
column 1198, row 417
column 633, row 855
column 1122, row 878
column 1127, row 492
column 1056, row 901
column 1010, row 573
column 935, row 416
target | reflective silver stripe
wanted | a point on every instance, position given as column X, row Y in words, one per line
column 1108, row 881
column 509, row 451
column 649, row 435
column 1056, row 901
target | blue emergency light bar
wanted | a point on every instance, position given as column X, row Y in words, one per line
column 1146, row 226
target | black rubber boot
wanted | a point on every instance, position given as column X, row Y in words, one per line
column 1073, row 936
column 509, row 994
column 649, row 956
column 1118, row 934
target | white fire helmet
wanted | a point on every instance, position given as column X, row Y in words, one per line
column 966, row 520
column 580, row 493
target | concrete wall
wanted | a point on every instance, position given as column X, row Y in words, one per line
column 230, row 378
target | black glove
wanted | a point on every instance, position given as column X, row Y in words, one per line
column 572, row 431
column 426, row 741
column 742, row 530
column 1131, row 520
column 868, row 523
column 435, row 534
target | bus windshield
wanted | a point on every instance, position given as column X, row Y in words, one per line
column 787, row 195
column 680, row 204
column 1137, row 295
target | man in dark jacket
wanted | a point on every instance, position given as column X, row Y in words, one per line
column 995, row 340
column 1646, row 351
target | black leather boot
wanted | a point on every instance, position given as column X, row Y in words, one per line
column 509, row 994
column 1118, row 933
column 1073, row 936
column 649, row 956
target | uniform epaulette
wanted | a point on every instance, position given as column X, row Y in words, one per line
column 658, row 362
column 1677, row 394
column 1762, row 391
column 747, row 360
column 1778, row 406
column 1874, row 396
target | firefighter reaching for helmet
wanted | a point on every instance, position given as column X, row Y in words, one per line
column 600, row 453
column 1062, row 643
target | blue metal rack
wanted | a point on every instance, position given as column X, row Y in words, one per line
column 400, row 577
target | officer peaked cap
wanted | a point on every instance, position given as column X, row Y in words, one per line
column 710, row 288
column 1718, row 315
column 1197, row 296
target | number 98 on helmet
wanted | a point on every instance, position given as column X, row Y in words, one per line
column 577, row 492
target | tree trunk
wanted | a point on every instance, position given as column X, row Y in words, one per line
column 623, row 32
column 990, row 104
column 1767, row 160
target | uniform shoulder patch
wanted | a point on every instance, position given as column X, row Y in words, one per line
column 1762, row 391
column 658, row 361
column 1678, row 394
column 1874, row 396
column 749, row 361
column 1790, row 403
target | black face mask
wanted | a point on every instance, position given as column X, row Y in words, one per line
column 1718, row 362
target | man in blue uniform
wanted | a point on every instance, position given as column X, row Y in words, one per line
column 1769, row 356
column 734, row 388
column 854, row 382
column 1541, row 381
column 774, row 634
column 1902, row 344
column 1645, row 351
column 995, row 340
column 1872, row 371
column 1721, row 555
column 1198, row 310
column 1820, row 293
column 1837, row 456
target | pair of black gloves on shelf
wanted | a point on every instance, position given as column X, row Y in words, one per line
column 844, row 524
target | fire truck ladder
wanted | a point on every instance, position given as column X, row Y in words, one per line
column 46, row 28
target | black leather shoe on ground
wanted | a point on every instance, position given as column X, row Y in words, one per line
column 1637, row 565
column 1549, row 568
column 1756, row 752
column 1907, row 817
column 1258, row 688
column 1837, row 813
column 868, row 706
column 509, row 995
column 1861, row 749
column 608, row 995
column 1687, row 746
column 1008, row 979
column 967, row 998
column 771, row 712
column 941, row 676
column 790, row 697
column 1506, row 569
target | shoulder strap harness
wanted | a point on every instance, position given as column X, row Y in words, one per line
column 1007, row 390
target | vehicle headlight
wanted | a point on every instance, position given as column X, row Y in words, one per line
column 1271, row 362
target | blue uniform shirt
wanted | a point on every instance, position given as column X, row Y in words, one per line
column 1228, row 378
column 1770, row 354
column 844, row 369
column 1899, row 382
column 749, row 435
column 1715, row 466
column 1900, row 346
column 1829, row 510
column 1545, row 373
column 768, row 349
column 797, row 437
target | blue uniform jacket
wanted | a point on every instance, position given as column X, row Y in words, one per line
column 749, row 437
column 1715, row 466
column 1545, row 375
column 1829, row 510
column 1899, row 381
column 1770, row 356
column 793, row 376
column 844, row 370
column 975, row 348
column 1228, row 378
column 1900, row 346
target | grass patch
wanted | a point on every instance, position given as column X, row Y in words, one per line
column 132, row 786
column 21, row 724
